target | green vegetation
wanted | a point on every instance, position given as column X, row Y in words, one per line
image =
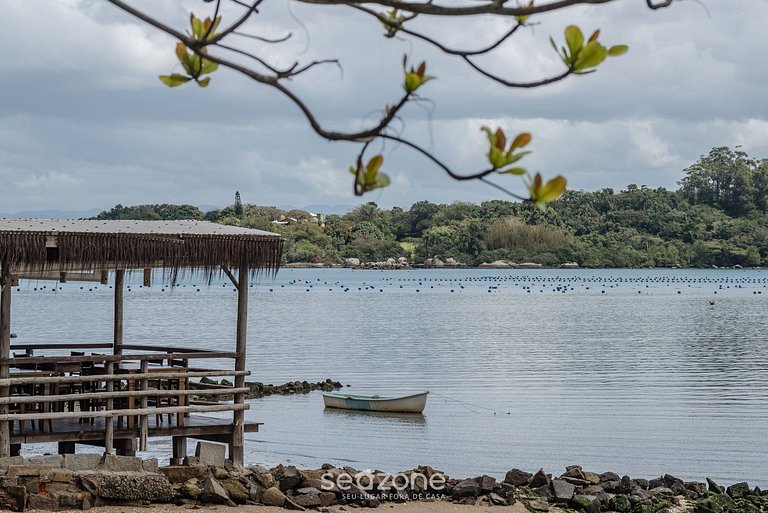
column 719, row 216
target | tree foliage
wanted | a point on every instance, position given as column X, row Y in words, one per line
column 698, row 225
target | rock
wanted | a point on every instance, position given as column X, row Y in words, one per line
column 127, row 485
column 529, row 265
column 352, row 262
column 69, row 500
column 714, row 487
column 288, row 477
column 191, row 490
column 498, row 264
column 27, row 470
column 466, row 488
column 80, row 462
column 487, row 483
column 539, row 479
column 210, row 453
column 117, row 463
column 42, row 502
column 183, row 473
column 290, row 504
column 661, row 490
column 620, row 504
column 518, row 477
column 327, row 499
column 50, row 460
column 17, row 497
column 150, row 465
column 11, row 460
column 738, row 490
column 213, row 492
column 538, row 505
column 497, row 500
column 589, row 503
column 669, row 480
column 611, row 486
column 655, row 483
column 236, row 491
column 273, row 497
column 569, row 265
column 219, row 473
column 265, row 479
column 609, row 476
column 563, row 490
column 309, row 500
column 575, row 481
column 642, row 483
column 592, row 477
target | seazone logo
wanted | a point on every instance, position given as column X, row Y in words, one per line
column 415, row 485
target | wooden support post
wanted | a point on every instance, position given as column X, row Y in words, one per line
column 66, row 447
column 147, row 277
column 144, row 420
column 126, row 446
column 104, row 277
column 118, row 333
column 109, row 431
column 62, row 277
column 5, row 349
column 179, row 450
column 238, row 422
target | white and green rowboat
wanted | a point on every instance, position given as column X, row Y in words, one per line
column 400, row 404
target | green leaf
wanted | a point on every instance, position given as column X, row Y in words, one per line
column 174, row 80
column 518, row 171
column 198, row 29
column 617, row 50
column 511, row 158
column 382, row 180
column 590, row 56
column 521, row 141
column 412, row 82
column 552, row 190
column 575, row 40
column 209, row 67
column 352, row 170
column 203, row 82
column 489, row 133
column 496, row 157
column 374, row 164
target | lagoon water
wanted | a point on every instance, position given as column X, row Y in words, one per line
column 632, row 371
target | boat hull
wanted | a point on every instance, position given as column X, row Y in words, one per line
column 406, row 404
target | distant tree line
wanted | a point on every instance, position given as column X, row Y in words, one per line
column 718, row 217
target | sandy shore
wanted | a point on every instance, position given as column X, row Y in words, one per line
column 409, row 507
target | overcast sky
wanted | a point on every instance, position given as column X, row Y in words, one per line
column 85, row 123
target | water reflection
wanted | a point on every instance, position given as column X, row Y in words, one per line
column 408, row 419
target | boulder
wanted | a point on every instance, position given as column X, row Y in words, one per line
column 466, row 488
column 236, row 491
column 518, row 477
column 498, row 264
column 42, row 502
column 117, row 463
column 738, row 490
column 191, row 490
column 714, row 487
column 287, row 477
column 213, row 492
column 209, row 453
column 183, row 473
column 352, row 262
column 51, row 460
column 620, row 504
column 539, row 479
column 562, row 490
column 308, row 500
column 487, row 483
column 273, row 497
column 127, row 486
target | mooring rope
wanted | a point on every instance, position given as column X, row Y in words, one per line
column 469, row 405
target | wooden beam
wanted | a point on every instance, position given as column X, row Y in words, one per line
column 117, row 342
column 104, row 277
column 231, row 276
column 147, row 277
column 109, row 428
column 5, row 348
column 236, row 452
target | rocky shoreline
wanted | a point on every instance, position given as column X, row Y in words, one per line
column 54, row 482
column 258, row 390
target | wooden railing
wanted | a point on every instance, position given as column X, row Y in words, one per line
column 121, row 392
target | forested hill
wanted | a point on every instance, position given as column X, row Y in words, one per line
column 718, row 216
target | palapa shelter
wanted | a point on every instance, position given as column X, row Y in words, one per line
column 54, row 394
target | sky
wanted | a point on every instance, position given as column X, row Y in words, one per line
column 86, row 124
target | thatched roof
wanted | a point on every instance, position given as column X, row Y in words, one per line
column 67, row 244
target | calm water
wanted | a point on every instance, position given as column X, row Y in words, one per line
column 631, row 371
